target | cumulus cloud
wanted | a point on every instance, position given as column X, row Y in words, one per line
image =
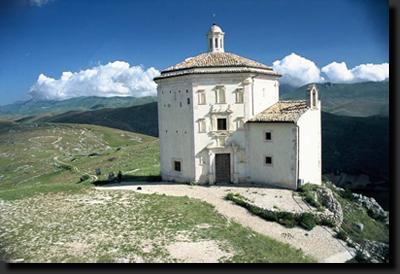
column 339, row 73
column 38, row 3
column 297, row 70
column 114, row 79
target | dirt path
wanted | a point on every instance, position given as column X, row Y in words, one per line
column 319, row 242
column 93, row 178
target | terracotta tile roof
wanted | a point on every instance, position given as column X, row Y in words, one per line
column 282, row 111
column 217, row 59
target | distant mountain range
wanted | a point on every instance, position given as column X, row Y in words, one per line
column 141, row 119
column 350, row 144
column 358, row 100
column 35, row 107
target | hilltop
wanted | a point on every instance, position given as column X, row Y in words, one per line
column 52, row 107
column 359, row 99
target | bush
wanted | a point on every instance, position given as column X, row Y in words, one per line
column 290, row 221
column 307, row 220
column 349, row 244
column 360, row 258
column 341, row 235
column 375, row 215
column 347, row 194
column 307, row 191
column 84, row 177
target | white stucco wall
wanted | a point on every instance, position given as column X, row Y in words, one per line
column 310, row 146
column 179, row 133
column 266, row 93
column 282, row 148
column 175, row 122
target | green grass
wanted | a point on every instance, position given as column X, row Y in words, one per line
column 374, row 230
column 29, row 154
column 63, row 220
column 47, row 214
column 307, row 191
column 24, row 192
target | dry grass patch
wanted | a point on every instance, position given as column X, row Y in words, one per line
column 110, row 226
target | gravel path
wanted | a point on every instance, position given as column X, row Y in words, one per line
column 319, row 242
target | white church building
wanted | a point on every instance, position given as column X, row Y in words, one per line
column 220, row 120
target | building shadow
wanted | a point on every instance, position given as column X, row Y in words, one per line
column 134, row 180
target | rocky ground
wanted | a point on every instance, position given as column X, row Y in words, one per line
column 319, row 243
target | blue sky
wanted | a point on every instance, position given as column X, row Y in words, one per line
column 49, row 37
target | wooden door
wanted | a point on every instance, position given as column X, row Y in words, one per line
column 223, row 168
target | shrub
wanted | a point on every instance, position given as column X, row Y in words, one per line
column 84, row 177
column 341, row 235
column 307, row 220
column 307, row 191
column 290, row 221
column 347, row 194
column 375, row 215
column 349, row 244
column 360, row 258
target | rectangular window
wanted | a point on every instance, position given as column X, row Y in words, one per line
column 177, row 166
column 221, row 124
column 268, row 160
column 268, row 136
column 216, row 42
column 188, row 101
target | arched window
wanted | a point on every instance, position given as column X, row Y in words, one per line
column 240, row 123
column 202, row 125
column 220, row 95
column 202, row 97
column 216, row 42
column 239, row 96
column 210, row 43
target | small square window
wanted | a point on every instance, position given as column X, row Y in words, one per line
column 177, row 166
column 268, row 160
column 268, row 136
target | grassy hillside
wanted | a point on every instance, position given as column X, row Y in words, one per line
column 50, row 212
column 38, row 154
column 35, row 107
column 360, row 99
column 141, row 119
column 359, row 144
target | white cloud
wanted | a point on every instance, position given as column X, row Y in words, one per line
column 339, row 73
column 114, row 79
column 297, row 70
column 38, row 3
